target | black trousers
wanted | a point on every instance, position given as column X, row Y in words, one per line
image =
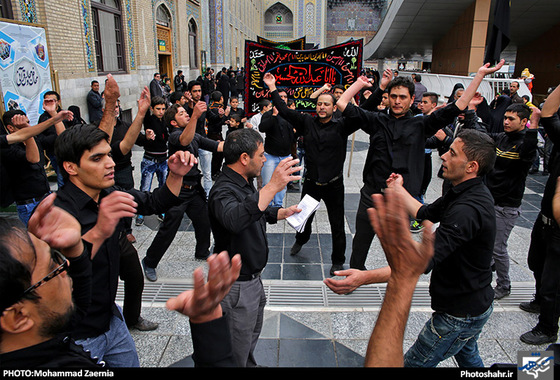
column 130, row 272
column 333, row 196
column 544, row 260
column 195, row 206
column 125, row 179
column 364, row 235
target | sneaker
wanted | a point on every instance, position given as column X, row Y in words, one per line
column 144, row 325
column 295, row 249
column 149, row 272
column 537, row 337
column 139, row 220
column 530, row 307
column 500, row 293
column 160, row 217
column 416, row 226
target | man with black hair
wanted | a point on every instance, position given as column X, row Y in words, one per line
column 515, row 152
column 94, row 102
column 461, row 275
column 216, row 117
column 238, row 215
column 397, row 142
column 192, row 196
column 326, row 139
column 84, row 154
column 419, row 89
column 156, row 88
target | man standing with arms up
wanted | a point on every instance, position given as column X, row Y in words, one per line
column 325, row 139
column 397, row 142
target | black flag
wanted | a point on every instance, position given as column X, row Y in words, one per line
column 499, row 38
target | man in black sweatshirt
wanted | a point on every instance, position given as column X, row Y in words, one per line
column 515, row 152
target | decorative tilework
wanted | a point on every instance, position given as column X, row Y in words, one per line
column 130, row 34
column 171, row 8
column 28, row 11
column 219, row 11
column 88, row 36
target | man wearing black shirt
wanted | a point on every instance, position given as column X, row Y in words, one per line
column 88, row 194
column 238, row 214
column 544, row 250
column 460, row 284
column 325, row 139
column 30, row 261
column 515, row 153
column 192, row 196
column 397, row 142
column 279, row 137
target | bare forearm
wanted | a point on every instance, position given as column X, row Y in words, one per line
column 552, row 103
column 385, row 348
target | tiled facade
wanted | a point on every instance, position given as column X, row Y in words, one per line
column 222, row 26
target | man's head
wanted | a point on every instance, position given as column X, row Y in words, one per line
column 265, row 105
column 7, row 119
column 471, row 154
column 234, row 120
column 217, row 97
column 95, row 85
column 401, row 95
column 516, row 117
column 52, row 97
column 337, row 91
column 325, row 106
column 428, row 103
column 35, row 290
column 157, row 76
column 177, row 97
column 176, row 117
column 195, row 88
column 84, row 156
column 234, row 103
column 244, row 152
column 158, row 105
column 417, row 78
column 513, row 87
column 283, row 95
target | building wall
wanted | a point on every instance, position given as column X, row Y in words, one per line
column 352, row 20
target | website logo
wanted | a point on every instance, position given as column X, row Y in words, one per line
column 535, row 365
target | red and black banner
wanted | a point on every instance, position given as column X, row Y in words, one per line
column 299, row 72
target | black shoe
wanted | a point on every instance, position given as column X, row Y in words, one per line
column 530, row 307
column 336, row 267
column 150, row 273
column 537, row 337
column 144, row 325
column 500, row 293
column 533, row 171
column 295, row 249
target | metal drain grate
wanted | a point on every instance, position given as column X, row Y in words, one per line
column 314, row 294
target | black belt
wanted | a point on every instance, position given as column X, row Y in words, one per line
column 327, row 183
column 31, row 200
column 156, row 159
column 248, row 277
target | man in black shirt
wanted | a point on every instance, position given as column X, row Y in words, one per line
column 279, row 137
column 36, row 289
column 397, row 142
column 544, row 250
column 460, row 284
column 88, row 194
column 325, row 139
column 238, row 214
column 192, row 196
column 515, row 153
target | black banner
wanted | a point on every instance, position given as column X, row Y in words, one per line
column 299, row 72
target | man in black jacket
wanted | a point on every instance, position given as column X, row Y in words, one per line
column 515, row 152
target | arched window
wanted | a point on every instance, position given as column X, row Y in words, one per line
column 193, row 45
column 108, row 35
column 279, row 22
column 163, row 17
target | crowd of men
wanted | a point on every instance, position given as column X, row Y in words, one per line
column 231, row 186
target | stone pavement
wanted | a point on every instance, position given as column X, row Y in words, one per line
column 306, row 324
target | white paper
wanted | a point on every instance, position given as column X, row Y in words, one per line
column 308, row 206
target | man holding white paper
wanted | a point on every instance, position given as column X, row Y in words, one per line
column 238, row 216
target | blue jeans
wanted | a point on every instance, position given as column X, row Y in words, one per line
column 115, row 347
column 444, row 336
column 205, row 165
column 25, row 211
column 267, row 170
column 148, row 168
